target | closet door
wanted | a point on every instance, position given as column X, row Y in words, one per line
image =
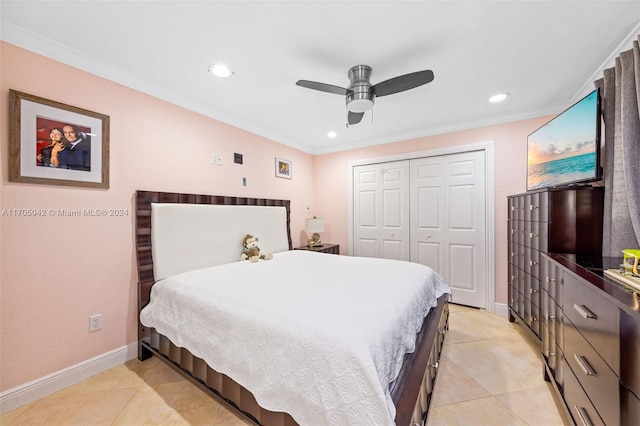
column 448, row 221
column 381, row 210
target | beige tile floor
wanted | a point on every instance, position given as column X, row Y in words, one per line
column 490, row 374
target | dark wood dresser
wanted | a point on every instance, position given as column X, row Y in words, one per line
column 591, row 339
column 565, row 220
column 325, row 248
column 588, row 325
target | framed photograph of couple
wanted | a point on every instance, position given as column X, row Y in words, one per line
column 56, row 144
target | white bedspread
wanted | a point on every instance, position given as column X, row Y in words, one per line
column 315, row 335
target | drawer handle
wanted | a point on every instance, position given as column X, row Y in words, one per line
column 582, row 310
column 532, row 262
column 584, row 365
column 533, row 290
column 552, row 317
column 531, row 207
column 584, row 417
column 532, row 235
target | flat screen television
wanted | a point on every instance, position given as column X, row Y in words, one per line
column 566, row 150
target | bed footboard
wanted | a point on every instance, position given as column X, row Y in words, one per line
column 412, row 403
column 231, row 392
column 419, row 388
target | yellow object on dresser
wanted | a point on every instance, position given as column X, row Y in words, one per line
column 630, row 261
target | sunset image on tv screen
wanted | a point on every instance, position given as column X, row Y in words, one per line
column 564, row 150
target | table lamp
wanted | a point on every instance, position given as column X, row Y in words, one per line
column 314, row 226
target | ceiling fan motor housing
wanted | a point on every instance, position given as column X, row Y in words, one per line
column 360, row 97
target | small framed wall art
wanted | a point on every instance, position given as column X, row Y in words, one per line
column 283, row 168
column 56, row 144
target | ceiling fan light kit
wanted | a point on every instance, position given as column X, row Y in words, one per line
column 361, row 94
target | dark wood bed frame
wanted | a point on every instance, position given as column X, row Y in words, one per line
column 414, row 386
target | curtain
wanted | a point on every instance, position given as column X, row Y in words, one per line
column 620, row 92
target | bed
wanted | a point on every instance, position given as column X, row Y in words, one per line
column 330, row 363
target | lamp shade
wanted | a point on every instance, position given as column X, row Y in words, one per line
column 314, row 225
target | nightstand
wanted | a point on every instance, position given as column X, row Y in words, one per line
column 325, row 248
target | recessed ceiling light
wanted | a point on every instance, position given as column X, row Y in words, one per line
column 499, row 97
column 332, row 134
column 220, row 70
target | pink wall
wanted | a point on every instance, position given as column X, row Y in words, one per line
column 510, row 145
column 56, row 271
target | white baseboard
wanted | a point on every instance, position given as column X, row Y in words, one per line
column 501, row 309
column 39, row 388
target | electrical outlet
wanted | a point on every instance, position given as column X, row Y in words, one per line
column 216, row 159
column 95, row 323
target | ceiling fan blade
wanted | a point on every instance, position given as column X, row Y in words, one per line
column 403, row 82
column 323, row 87
column 354, row 117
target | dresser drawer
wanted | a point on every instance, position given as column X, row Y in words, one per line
column 558, row 367
column 521, row 280
column 629, row 408
column 532, row 289
column 516, row 231
column 582, row 411
column 552, row 317
column 630, row 350
column 532, row 316
column 550, row 278
column 535, row 235
column 517, row 255
column 520, row 302
column 536, row 206
column 595, row 376
column 514, row 252
column 516, row 278
column 594, row 317
column 551, row 353
column 514, row 210
column 532, row 262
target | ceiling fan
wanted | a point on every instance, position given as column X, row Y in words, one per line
column 361, row 94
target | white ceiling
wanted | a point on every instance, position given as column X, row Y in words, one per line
column 545, row 54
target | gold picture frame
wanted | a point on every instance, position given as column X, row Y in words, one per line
column 53, row 143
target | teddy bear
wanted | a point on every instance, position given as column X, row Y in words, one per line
column 251, row 251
